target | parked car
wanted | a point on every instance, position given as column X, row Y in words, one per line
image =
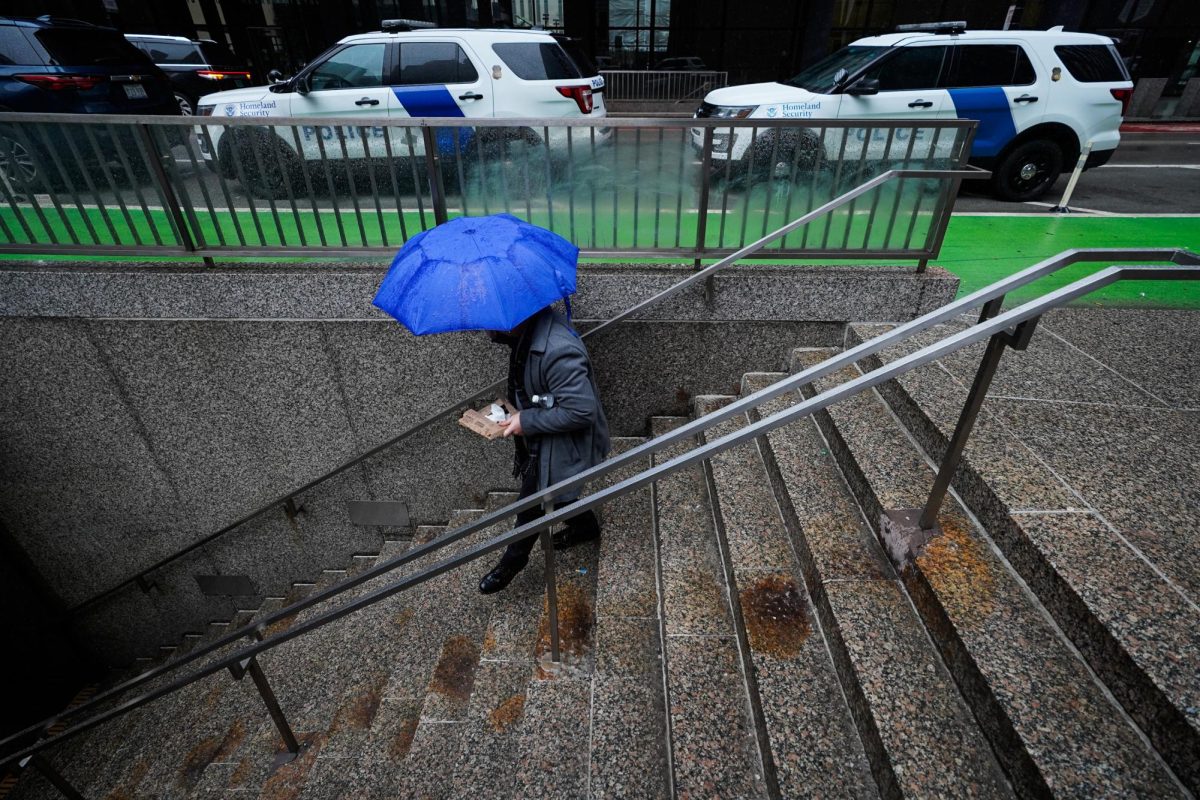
column 195, row 68
column 64, row 66
column 1039, row 97
column 400, row 73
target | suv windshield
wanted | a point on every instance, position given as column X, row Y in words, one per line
column 819, row 77
column 88, row 47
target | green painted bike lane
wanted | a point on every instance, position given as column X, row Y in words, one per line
column 979, row 249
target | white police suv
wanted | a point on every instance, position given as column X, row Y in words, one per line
column 406, row 70
column 1039, row 96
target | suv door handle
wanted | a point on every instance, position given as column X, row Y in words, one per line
column 920, row 104
column 366, row 101
column 1025, row 98
column 470, row 96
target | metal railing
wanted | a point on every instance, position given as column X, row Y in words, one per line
column 354, row 186
column 673, row 86
column 1010, row 328
column 290, row 501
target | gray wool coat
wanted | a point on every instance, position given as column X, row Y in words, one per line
column 573, row 434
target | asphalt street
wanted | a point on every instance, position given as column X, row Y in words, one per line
column 1151, row 173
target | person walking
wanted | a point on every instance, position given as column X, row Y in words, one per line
column 559, row 429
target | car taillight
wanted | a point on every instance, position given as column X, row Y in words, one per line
column 1124, row 95
column 218, row 75
column 581, row 94
column 59, row 83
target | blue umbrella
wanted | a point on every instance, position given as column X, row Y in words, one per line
column 477, row 273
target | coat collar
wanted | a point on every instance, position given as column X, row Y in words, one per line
column 539, row 337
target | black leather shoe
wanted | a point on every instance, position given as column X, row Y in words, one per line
column 568, row 538
column 499, row 578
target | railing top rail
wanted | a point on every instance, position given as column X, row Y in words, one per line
column 480, row 122
column 694, row 277
column 949, row 344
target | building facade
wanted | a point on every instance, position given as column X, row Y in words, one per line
column 753, row 41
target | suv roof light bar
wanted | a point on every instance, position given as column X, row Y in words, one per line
column 952, row 27
column 403, row 25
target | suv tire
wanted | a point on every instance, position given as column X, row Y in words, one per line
column 1028, row 171
column 255, row 146
column 186, row 108
column 20, row 166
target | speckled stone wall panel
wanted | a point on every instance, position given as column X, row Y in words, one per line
column 72, row 449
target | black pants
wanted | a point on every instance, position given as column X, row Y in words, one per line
column 517, row 553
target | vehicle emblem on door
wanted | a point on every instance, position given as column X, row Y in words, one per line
column 230, row 110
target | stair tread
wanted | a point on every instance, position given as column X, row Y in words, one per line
column 712, row 732
column 926, row 731
column 1145, row 638
column 1074, row 738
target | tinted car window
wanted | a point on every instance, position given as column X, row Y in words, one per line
column 14, row 49
column 88, row 48
column 170, row 52
column 1092, row 63
column 912, row 68
column 578, row 56
column 360, row 65
column 537, row 61
column 216, row 55
column 435, row 62
column 819, row 77
column 991, row 65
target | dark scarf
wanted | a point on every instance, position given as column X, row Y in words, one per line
column 524, row 459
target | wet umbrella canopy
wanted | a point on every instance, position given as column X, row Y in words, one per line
column 477, row 273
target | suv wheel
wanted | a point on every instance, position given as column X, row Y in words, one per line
column 17, row 164
column 1028, row 171
column 185, row 105
column 256, row 147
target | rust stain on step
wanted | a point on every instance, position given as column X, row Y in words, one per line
column 288, row 782
column 776, row 620
column 576, row 623
column 507, row 713
column 958, row 568
column 128, row 788
column 357, row 712
column 489, row 640
column 403, row 617
column 211, row 749
column 401, row 743
column 454, row 674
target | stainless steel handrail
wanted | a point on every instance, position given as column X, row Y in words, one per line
column 987, row 327
column 703, row 274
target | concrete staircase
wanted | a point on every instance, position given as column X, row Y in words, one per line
column 737, row 632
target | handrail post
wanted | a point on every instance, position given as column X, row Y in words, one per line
column 1017, row 340
column 551, row 594
column 705, row 180
column 433, row 165
column 174, row 212
column 51, row 774
column 251, row 666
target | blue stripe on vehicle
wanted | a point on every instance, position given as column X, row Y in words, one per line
column 435, row 101
column 989, row 105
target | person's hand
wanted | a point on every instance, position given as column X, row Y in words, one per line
column 512, row 426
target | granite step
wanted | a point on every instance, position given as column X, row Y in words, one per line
column 1143, row 640
column 814, row 746
column 629, row 745
column 1054, row 728
column 715, row 748
column 920, row 736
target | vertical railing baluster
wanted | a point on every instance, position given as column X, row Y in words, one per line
column 348, row 168
column 235, row 133
column 112, row 184
column 166, row 192
column 223, row 183
column 702, row 202
column 308, row 185
column 70, row 185
column 551, row 595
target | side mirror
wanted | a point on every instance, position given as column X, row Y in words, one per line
column 275, row 76
column 864, row 86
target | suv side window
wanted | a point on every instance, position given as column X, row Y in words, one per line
column 435, row 62
column 910, row 69
column 990, row 65
column 353, row 67
column 15, row 49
